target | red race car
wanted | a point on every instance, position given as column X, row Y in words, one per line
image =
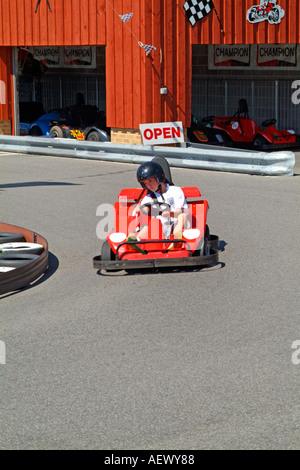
column 242, row 130
column 196, row 248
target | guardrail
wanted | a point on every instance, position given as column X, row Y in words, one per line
column 206, row 157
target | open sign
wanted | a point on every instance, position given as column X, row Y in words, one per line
column 162, row 133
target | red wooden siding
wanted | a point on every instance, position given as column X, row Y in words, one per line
column 133, row 79
column 237, row 30
column 6, row 109
column 72, row 22
column 82, row 22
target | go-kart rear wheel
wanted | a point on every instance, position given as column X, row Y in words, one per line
column 56, row 131
column 94, row 136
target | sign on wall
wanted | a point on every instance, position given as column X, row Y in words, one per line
column 266, row 11
column 49, row 56
column 279, row 55
column 254, row 57
column 162, row 133
column 232, row 56
column 71, row 56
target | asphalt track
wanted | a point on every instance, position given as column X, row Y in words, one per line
column 194, row 359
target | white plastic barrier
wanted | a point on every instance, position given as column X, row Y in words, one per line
column 200, row 157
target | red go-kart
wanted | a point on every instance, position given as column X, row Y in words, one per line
column 196, row 248
column 242, row 130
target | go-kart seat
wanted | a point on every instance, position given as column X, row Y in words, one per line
column 163, row 162
column 242, row 109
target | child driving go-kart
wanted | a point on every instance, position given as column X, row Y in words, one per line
column 158, row 225
column 163, row 201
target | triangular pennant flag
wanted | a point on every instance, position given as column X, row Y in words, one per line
column 126, row 17
column 148, row 48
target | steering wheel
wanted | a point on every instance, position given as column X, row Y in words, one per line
column 208, row 119
column 268, row 122
column 154, row 209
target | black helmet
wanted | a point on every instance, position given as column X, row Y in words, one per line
column 149, row 169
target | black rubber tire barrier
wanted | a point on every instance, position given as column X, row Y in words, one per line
column 21, row 248
column 15, row 261
column 8, row 237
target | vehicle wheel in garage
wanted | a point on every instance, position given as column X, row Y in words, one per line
column 35, row 132
column 94, row 136
column 259, row 141
column 56, row 131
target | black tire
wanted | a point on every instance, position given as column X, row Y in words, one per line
column 56, row 131
column 206, row 247
column 15, row 261
column 94, row 136
column 107, row 255
column 106, row 252
column 10, row 237
column 21, row 248
column 259, row 141
column 35, row 132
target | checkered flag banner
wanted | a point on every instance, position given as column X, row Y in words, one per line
column 196, row 10
column 126, row 17
column 148, row 48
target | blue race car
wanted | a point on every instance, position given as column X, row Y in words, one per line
column 34, row 121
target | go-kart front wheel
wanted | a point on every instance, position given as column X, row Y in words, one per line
column 259, row 141
column 107, row 255
column 106, row 252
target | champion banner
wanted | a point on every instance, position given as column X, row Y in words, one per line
column 196, row 10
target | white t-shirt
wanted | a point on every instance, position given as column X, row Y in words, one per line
column 173, row 196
